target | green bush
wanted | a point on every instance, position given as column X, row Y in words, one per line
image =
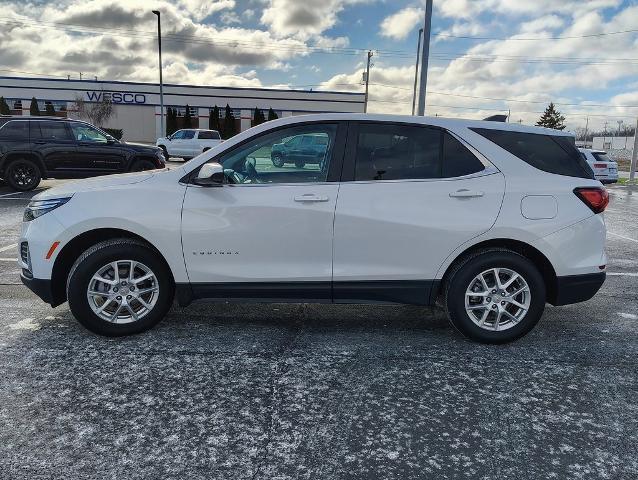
column 114, row 132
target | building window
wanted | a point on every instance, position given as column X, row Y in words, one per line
column 181, row 111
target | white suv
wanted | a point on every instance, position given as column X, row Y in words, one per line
column 604, row 168
column 188, row 143
column 490, row 220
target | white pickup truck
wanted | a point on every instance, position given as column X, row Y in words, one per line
column 188, row 143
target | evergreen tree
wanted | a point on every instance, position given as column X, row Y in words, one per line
column 229, row 123
column 171, row 121
column 272, row 115
column 4, row 107
column 552, row 118
column 188, row 120
column 258, row 117
column 34, row 109
column 48, row 109
column 213, row 119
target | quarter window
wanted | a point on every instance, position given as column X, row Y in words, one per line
column 208, row 135
column 15, row 130
column 550, row 153
column 279, row 157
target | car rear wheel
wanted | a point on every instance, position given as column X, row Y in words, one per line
column 119, row 287
column 23, row 175
column 495, row 296
column 142, row 165
column 278, row 161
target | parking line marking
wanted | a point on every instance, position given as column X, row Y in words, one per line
column 8, row 247
column 625, row 238
column 622, row 274
column 12, row 193
column 8, row 259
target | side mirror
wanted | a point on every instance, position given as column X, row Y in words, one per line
column 210, row 175
column 110, row 139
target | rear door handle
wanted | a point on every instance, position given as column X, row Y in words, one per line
column 464, row 193
column 311, row 197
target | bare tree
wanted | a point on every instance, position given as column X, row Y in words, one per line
column 97, row 113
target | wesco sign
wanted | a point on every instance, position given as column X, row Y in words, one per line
column 116, row 97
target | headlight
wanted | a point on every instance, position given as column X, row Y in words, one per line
column 37, row 208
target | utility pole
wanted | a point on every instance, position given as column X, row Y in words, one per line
column 634, row 156
column 80, row 75
column 159, row 49
column 416, row 69
column 605, row 134
column 367, row 80
column 425, row 55
column 509, row 114
column 586, row 129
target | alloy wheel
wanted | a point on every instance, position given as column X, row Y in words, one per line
column 497, row 299
column 123, row 291
column 23, row 174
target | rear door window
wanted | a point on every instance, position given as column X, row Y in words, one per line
column 208, row 135
column 403, row 152
column 15, row 130
column 188, row 134
column 51, row 131
column 555, row 154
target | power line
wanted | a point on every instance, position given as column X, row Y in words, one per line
column 533, row 39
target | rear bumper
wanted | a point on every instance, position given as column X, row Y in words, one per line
column 41, row 287
column 577, row 288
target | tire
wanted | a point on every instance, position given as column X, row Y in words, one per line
column 504, row 321
column 300, row 163
column 97, row 262
column 278, row 161
column 165, row 151
column 142, row 165
column 23, row 175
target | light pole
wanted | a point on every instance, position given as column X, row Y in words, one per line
column 159, row 47
column 416, row 69
column 425, row 55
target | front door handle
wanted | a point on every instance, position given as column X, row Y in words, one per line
column 464, row 193
column 311, row 197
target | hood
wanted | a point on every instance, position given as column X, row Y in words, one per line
column 96, row 183
column 140, row 147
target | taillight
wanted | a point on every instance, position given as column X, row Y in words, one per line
column 600, row 165
column 596, row 198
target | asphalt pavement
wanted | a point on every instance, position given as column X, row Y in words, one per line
column 234, row 391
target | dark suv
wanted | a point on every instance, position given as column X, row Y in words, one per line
column 33, row 148
column 300, row 150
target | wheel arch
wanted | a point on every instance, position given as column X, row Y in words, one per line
column 543, row 264
column 77, row 246
column 28, row 155
column 136, row 158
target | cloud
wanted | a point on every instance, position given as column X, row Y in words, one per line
column 400, row 24
column 302, row 19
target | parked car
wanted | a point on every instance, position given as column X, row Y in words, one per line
column 33, row 148
column 300, row 150
column 489, row 220
column 604, row 168
column 189, row 142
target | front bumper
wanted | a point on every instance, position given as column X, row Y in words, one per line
column 577, row 288
column 41, row 287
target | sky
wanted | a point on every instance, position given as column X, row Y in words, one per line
column 487, row 56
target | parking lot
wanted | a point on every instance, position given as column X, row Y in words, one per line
column 238, row 391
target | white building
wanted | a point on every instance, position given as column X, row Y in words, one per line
column 137, row 110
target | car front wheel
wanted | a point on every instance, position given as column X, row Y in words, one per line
column 119, row 287
column 495, row 296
